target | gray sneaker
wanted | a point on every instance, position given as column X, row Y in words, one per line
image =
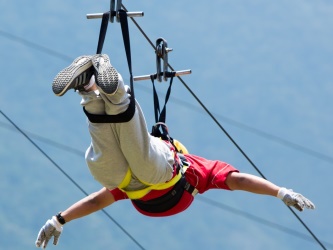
column 75, row 76
column 106, row 75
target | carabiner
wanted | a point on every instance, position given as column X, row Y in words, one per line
column 162, row 51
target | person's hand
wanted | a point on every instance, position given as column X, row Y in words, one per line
column 51, row 228
column 296, row 200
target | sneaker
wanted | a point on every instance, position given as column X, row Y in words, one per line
column 75, row 76
column 106, row 75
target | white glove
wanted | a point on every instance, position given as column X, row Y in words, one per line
column 295, row 200
column 51, row 228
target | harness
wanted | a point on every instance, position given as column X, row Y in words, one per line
column 168, row 200
column 178, row 184
column 138, row 194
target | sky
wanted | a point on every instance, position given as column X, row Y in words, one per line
column 262, row 68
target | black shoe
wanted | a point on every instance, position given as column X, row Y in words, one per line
column 106, row 75
column 75, row 76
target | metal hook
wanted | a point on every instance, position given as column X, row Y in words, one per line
column 162, row 51
column 114, row 10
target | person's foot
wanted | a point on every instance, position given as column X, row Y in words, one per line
column 106, row 75
column 75, row 76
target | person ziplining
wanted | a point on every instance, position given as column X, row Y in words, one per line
column 130, row 163
column 158, row 174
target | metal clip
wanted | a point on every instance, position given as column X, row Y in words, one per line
column 162, row 51
column 114, row 10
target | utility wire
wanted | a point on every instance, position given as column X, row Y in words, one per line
column 257, row 219
column 49, row 51
column 35, row 45
column 45, row 140
column 227, row 134
column 203, row 199
column 64, row 57
column 70, row 178
column 253, row 130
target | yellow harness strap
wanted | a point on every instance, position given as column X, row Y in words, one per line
column 138, row 194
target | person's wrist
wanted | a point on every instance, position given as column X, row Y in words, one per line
column 282, row 192
column 60, row 219
column 55, row 223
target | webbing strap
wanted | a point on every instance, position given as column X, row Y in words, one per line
column 102, row 32
column 128, row 114
column 127, row 45
column 120, row 118
column 160, row 116
column 164, row 202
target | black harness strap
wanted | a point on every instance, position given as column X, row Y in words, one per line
column 129, row 113
column 102, row 32
column 164, row 202
column 120, row 118
column 160, row 116
column 171, row 198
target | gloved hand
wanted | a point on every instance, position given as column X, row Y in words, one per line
column 296, row 200
column 51, row 228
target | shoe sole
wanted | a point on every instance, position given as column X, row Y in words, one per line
column 65, row 78
column 106, row 75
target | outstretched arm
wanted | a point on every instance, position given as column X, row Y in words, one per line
column 92, row 203
column 254, row 184
column 251, row 183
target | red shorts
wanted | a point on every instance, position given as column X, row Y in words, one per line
column 203, row 174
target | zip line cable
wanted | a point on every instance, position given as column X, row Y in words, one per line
column 59, row 55
column 61, row 146
column 203, row 199
column 195, row 97
column 70, row 178
column 258, row 219
column 253, row 130
column 227, row 134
